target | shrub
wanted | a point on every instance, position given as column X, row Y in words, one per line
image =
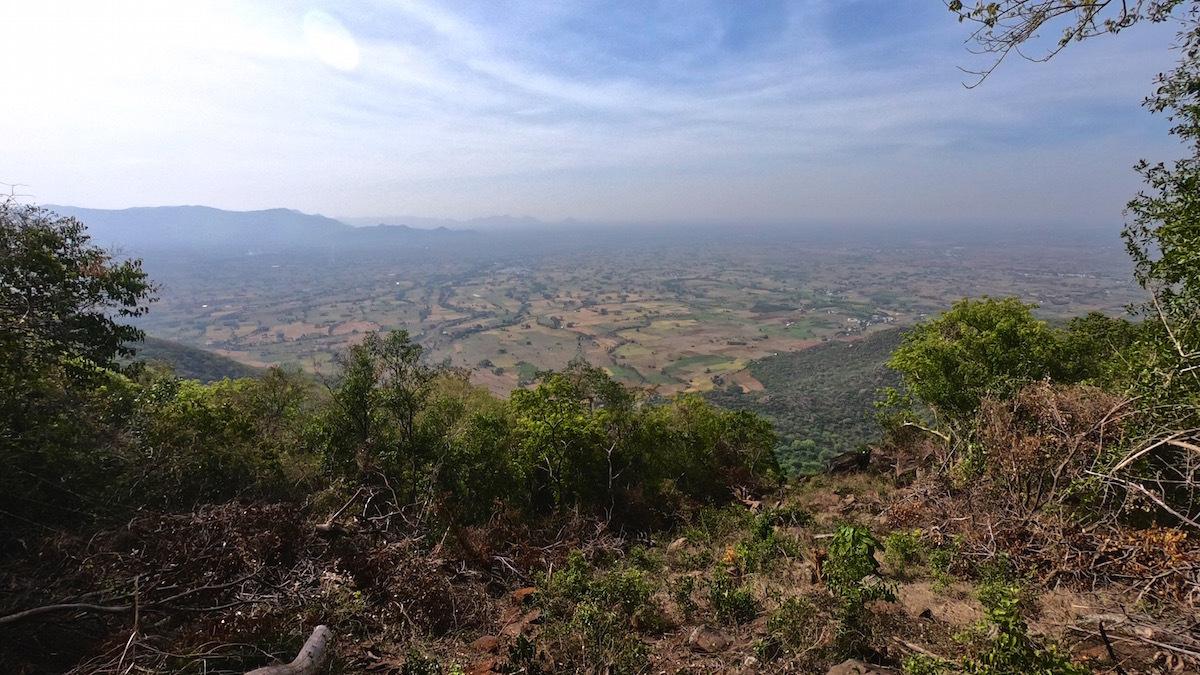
column 699, row 559
column 1006, row 645
column 762, row 546
column 604, row 638
column 851, row 575
column 997, row 580
column 731, row 602
column 571, row 582
column 643, row 559
column 681, row 593
column 790, row 515
column 1012, row 649
column 941, row 563
column 419, row 664
column 713, row 524
column 577, row 439
column 901, row 549
column 792, row 626
column 196, row 442
column 523, row 658
column 920, row 664
column 850, row 560
column 593, row 616
column 975, row 349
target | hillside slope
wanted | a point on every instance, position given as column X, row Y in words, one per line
column 821, row 400
column 192, row 363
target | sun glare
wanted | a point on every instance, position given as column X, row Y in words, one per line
column 330, row 41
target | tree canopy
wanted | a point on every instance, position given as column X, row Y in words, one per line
column 63, row 306
column 978, row 348
column 62, row 298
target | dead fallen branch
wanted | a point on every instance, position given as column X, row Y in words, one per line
column 65, row 607
column 1173, row 440
column 310, row 659
column 331, row 526
column 1112, row 653
column 35, row 612
column 1134, row 486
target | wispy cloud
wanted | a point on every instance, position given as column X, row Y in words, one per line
column 807, row 110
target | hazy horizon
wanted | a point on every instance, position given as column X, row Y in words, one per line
column 513, row 223
column 819, row 111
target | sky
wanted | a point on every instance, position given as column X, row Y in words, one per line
column 758, row 111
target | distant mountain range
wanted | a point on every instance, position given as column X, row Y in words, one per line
column 483, row 223
column 189, row 227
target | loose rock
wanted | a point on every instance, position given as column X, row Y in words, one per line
column 856, row 667
column 707, row 640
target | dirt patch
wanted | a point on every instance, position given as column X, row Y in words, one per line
column 954, row 604
column 746, row 381
column 350, row 327
column 243, row 357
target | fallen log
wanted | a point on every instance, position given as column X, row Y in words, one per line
column 310, row 659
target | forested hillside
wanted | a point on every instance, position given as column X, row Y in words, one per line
column 191, row 363
column 821, row 399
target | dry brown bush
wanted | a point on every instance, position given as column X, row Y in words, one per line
column 1025, row 488
column 1036, row 444
column 1021, row 493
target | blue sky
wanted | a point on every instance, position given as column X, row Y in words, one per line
column 814, row 111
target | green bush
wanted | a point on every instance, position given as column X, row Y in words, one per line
column 419, row 664
column 941, row 563
column 762, row 546
column 523, row 658
column 626, row 591
column 1011, row 649
column 901, row 549
column 789, row 516
column 1004, row 644
column 710, row 524
column 645, row 560
column 850, row 561
column 998, row 582
column 681, row 593
column 793, row 626
column 977, row 348
column 606, row 638
column 921, row 664
column 851, row 573
column 732, row 603
column 594, row 616
column 577, row 439
column 194, row 442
